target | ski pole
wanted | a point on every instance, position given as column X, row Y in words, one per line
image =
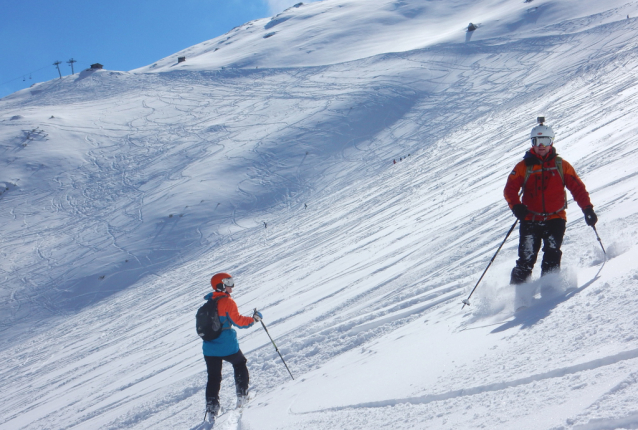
column 276, row 349
column 467, row 301
column 599, row 241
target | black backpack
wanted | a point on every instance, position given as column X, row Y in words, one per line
column 208, row 325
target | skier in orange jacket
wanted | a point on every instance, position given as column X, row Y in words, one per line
column 543, row 176
column 226, row 346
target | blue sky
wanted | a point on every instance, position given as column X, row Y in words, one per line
column 122, row 35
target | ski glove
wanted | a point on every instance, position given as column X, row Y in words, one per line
column 520, row 211
column 257, row 316
column 590, row 216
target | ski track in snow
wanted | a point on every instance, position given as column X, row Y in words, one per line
column 558, row 373
column 107, row 251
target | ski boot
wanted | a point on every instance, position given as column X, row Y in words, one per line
column 212, row 409
column 242, row 397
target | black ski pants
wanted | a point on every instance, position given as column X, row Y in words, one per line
column 214, row 369
column 532, row 233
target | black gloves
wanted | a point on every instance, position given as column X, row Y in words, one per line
column 590, row 216
column 520, row 211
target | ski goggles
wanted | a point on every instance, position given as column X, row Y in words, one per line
column 542, row 141
column 228, row 282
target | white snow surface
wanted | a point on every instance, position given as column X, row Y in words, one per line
column 123, row 192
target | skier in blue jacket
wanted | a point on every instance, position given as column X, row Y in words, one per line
column 226, row 346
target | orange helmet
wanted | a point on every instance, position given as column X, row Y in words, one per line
column 221, row 280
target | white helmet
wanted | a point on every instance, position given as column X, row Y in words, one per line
column 542, row 135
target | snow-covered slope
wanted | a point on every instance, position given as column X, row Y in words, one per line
column 332, row 31
column 124, row 192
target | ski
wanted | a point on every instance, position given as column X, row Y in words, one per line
column 226, row 414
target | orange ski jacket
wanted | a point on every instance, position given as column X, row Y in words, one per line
column 229, row 316
column 544, row 192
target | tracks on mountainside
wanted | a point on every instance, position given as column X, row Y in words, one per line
column 498, row 386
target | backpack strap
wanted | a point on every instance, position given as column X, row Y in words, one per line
column 528, row 172
column 559, row 167
column 217, row 299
